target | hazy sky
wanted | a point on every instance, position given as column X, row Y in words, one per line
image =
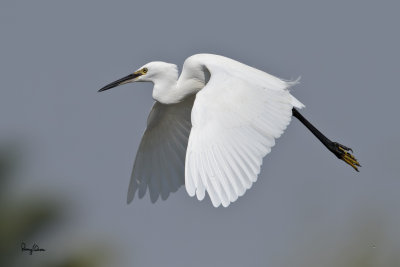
column 80, row 145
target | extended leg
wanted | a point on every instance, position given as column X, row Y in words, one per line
column 340, row 151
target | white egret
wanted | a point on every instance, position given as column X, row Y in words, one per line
column 210, row 128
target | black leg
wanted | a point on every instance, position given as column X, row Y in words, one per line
column 341, row 152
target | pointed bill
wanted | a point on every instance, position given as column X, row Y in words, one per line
column 124, row 80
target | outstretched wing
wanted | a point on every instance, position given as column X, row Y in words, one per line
column 236, row 118
column 160, row 161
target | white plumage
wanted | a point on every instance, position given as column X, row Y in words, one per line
column 209, row 129
column 160, row 160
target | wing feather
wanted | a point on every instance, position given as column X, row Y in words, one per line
column 160, row 160
column 236, row 118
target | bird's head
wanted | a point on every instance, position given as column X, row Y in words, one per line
column 155, row 72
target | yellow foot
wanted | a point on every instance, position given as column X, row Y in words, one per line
column 342, row 152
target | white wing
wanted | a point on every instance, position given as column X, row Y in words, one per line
column 236, row 118
column 159, row 164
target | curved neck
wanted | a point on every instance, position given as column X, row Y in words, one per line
column 169, row 89
column 164, row 91
column 174, row 91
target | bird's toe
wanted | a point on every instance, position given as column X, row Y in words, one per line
column 343, row 153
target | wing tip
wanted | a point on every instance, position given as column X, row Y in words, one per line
column 129, row 199
column 190, row 189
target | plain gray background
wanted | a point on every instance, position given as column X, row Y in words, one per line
column 306, row 209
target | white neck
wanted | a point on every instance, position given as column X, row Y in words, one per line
column 170, row 90
column 164, row 91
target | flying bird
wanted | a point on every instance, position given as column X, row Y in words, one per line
column 210, row 128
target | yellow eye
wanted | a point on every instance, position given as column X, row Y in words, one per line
column 144, row 70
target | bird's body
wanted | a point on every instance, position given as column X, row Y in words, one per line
column 209, row 129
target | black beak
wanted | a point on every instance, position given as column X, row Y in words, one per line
column 120, row 81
